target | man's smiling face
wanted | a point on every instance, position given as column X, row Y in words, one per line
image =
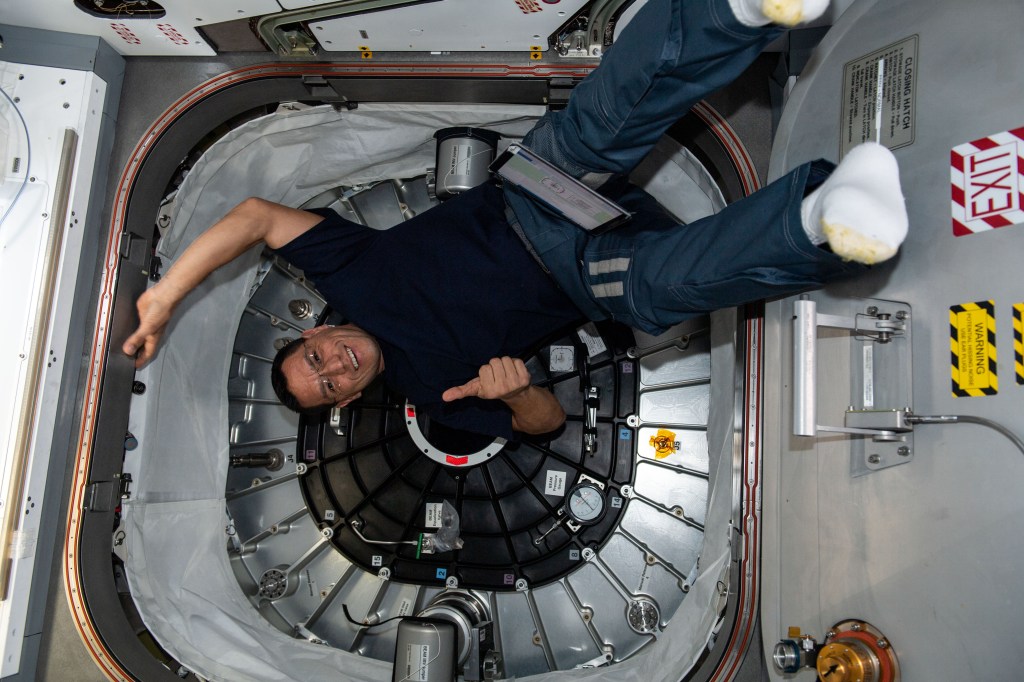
column 333, row 366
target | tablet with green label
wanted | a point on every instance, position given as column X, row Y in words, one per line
column 558, row 190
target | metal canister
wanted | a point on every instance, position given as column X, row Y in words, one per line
column 463, row 157
column 425, row 651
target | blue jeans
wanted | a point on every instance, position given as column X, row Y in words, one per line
column 652, row 272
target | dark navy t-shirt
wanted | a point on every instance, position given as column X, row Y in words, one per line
column 443, row 293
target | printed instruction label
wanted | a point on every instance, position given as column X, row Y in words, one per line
column 405, row 608
column 1018, row 342
column 591, row 339
column 879, row 97
column 433, row 514
column 554, row 483
column 417, row 662
column 972, row 339
column 459, row 160
column 986, row 183
column 563, row 359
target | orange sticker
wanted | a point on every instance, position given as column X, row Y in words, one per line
column 664, row 443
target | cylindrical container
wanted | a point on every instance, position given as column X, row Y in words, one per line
column 424, row 651
column 463, row 156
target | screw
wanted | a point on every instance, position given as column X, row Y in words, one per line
column 872, row 310
column 855, row 627
column 874, row 459
column 902, row 314
column 138, row 388
column 882, row 644
column 300, row 308
column 903, row 451
column 536, row 639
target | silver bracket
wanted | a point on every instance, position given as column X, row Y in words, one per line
column 606, row 656
column 880, row 374
column 592, row 402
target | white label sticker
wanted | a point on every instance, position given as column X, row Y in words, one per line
column 554, row 484
column 377, row 560
column 563, row 359
column 459, row 163
column 329, row 515
column 591, row 339
column 433, row 514
column 417, row 660
column 405, row 608
column 869, row 376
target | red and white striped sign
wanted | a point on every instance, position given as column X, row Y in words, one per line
column 987, row 178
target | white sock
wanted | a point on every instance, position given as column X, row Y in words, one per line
column 781, row 12
column 859, row 209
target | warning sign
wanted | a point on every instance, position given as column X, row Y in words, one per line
column 879, row 97
column 985, row 177
column 1018, row 341
column 972, row 339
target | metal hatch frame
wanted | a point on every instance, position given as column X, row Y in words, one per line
column 97, row 487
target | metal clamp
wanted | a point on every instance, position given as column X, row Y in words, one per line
column 879, row 419
column 806, row 320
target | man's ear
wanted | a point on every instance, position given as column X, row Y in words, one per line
column 347, row 399
column 312, row 331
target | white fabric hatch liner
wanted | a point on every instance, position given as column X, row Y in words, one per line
column 177, row 564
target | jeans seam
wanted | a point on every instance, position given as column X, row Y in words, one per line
column 721, row 25
column 795, row 183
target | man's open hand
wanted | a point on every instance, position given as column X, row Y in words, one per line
column 500, row 379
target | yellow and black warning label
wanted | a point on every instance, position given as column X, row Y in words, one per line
column 972, row 345
column 1018, row 341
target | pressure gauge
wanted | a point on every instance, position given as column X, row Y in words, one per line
column 585, row 503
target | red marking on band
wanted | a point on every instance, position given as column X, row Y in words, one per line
column 958, row 195
column 959, row 229
column 410, row 411
column 456, row 461
column 996, row 221
column 984, row 143
column 957, row 161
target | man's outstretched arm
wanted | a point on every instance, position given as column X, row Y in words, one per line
column 252, row 222
column 534, row 410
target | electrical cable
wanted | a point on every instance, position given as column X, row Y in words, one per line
column 967, row 419
column 344, row 608
column 28, row 157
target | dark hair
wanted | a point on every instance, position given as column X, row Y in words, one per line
column 280, row 382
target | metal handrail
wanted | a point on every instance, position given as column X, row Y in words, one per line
column 36, row 356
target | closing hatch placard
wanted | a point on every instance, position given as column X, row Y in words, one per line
column 879, row 97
